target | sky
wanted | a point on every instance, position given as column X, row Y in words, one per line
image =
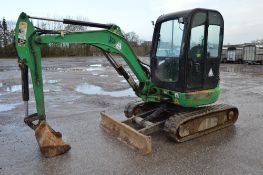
column 243, row 18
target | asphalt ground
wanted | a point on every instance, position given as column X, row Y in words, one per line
column 78, row 89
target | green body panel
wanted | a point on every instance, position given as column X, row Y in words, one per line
column 194, row 99
column 25, row 55
column 111, row 41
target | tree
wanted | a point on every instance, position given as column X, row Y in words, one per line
column 76, row 28
column 258, row 41
column 4, row 28
column 1, row 37
column 77, row 49
column 146, row 45
column 132, row 38
column 7, row 33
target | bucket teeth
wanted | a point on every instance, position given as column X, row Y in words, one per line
column 50, row 142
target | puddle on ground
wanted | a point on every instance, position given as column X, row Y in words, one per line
column 7, row 107
column 16, row 88
column 53, row 89
column 125, row 81
column 93, row 89
column 104, row 75
column 94, row 69
column 53, row 81
column 89, row 68
column 95, row 65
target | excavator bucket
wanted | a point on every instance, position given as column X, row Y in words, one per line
column 126, row 134
column 50, row 141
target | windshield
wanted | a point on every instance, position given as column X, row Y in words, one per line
column 168, row 51
column 170, row 39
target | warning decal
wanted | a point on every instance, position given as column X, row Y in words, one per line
column 22, row 34
column 118, row 46
column 210, row 74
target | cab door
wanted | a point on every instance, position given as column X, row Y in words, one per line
column 196, row 52
column 203, row 58
column 214, row 45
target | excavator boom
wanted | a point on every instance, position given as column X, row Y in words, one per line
column 28, row 42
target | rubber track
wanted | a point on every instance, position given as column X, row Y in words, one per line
column 172, row 124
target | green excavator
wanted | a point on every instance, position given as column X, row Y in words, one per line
column 176, row 89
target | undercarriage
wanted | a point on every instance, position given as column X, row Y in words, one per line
column 181, row 124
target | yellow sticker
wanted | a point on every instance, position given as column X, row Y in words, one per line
column 22, row 34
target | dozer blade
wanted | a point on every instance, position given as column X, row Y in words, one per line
column 50, row 141
column 126, row 134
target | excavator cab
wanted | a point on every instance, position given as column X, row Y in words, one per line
column 186, row 50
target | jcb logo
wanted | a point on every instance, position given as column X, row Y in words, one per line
column 112, row 40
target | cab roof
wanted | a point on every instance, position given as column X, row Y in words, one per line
column 185, row 14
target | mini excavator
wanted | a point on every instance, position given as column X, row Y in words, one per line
column 177, row 90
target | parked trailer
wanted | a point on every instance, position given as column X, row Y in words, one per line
column 224, row 55
column 253, row 54
column 235, row 54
